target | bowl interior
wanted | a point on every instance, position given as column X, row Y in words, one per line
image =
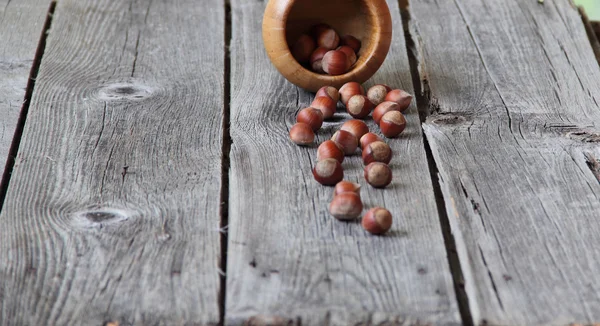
column 347, row 17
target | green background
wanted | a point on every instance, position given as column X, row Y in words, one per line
column 592, row 8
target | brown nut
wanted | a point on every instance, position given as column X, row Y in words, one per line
column 401, row 97
column 329, row 149
column 377, row 151
column 377, row 94
column 347, row 141
column 377, row 220
column 318, row 29
column 326, row 105
column 356, row 127
column 328, row 38
column 346, row 206
column 368, row 138
column 346, row 186
column 359, row 106
column 378, row 175
column 351, row 41
column 328, row 172
column 303, row 48
column 330, row 91
column 302, row 134
column 384, row 108
column 316, row 60
column 392, row 124
column 334, row 62
column 350, row 89
column 350, row 56
column 312, row 117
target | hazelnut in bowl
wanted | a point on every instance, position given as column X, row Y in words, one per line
column 316, row 43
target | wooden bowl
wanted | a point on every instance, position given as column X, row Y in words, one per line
column 368, row 20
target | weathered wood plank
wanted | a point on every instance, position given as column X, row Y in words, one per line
column 21, row 24
column 113, row 208
column 289, row 261
column 514, row 95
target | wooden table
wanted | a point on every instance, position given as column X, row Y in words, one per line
column 150, row 180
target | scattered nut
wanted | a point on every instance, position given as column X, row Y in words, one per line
column 346, row 186
column 326, row 105
column 378, row 175
column 377, row 94
column 329, row 149
column 377, row 220
column 359, row 106
column 384, row 108
column 302, row 134
column 377, row 151
column 350, row 89
column 356, row 127
column 346, row 206
column 347, row 141
column 330, row 91
column 328, row 172
column 312, row 117
column 401, row 97
column 392, row 124
column 368, row 138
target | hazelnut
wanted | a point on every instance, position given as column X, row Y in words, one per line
column 350, row 56
column 368, row 138
column 327, row 38
column 346, row 186
column 316, row 60
column 350, row 89
column 359, row 106
column 401, row 97
column 347, row 141
column 351, row 41
column 334, row 62
column 392, row 124
column 326, row 105
column 329, row 149
column 302, row 134
column 312, row 117
column 303, row 48
column 346, row 206
column 384, row 108
column 378, row 174
column 377, row 220
column 356, row 127
column 377, row 151
column 328, row 172
column 377, row 94
column 330, row 91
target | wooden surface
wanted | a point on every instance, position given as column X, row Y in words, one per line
column 21, row 24
column 289, row 261
column 514, row 132
column 286, row 20
column 115, row 207
column 129, row 87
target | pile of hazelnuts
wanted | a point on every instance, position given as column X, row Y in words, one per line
column 324, row 51
column 386, row 106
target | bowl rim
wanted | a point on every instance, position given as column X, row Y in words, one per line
column 275, row 42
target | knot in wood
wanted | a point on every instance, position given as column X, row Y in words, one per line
column 124, row 92
column 447, row 119
column 584, row 136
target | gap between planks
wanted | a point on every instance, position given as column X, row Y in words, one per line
column 16, row 141
column 225, row 163
column 423, row 102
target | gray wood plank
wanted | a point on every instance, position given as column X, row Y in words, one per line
column 514, row 132
column 21, row 24
column 289, row 261
column 113, row 208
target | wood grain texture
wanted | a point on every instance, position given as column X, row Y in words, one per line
column 289, row 261
column 112, row 212
column 368, row 20
column 21, row 24
column 514, row 132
